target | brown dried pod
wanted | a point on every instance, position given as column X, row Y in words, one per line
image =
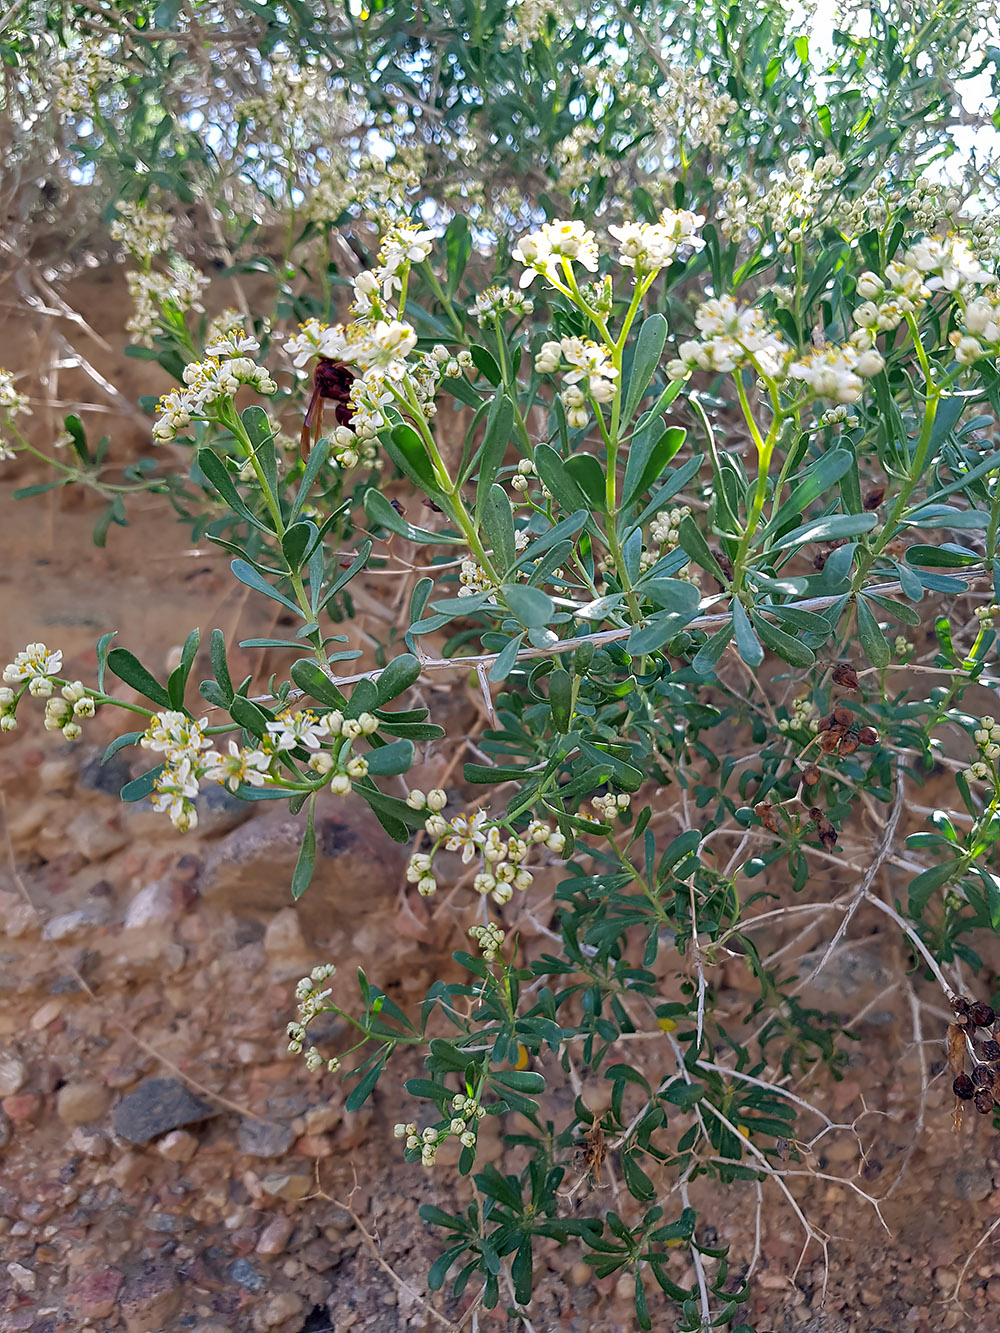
column 825, row 830
column 964, row 1087
column 868, row 736
column 982, row 1076
column 811, row 776
column 849, row 743
column 845, row 676
column 984, row 1101
column 990, row 1050
column 874, row 498
column 982, row 1015
column 825, row 723
column 842, row 716
column 764, row 811
column 829, row 740
column 961, row 1004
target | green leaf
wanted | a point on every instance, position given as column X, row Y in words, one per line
column 691, row 541
column 318, row 456
column 390, row 760
column 306, row 863
column 128, row 668
column 747, row 644
column 873, row 641
column 408, row 451
column 345, row 576
column 498, row 523
column 218, row 474
column 560, row 698
column 499, row 428
column 708, row 656
column 530, row 605
column 220, row 668
column 486, row 363
column 380, row 511
column 589, row 475
column 647, row 458
column 78, row 438
column 924, row 884
column 141, row 787
column 103, row 644
column 177, row 681
column 648, row 350
column 360, row 1094
column 518, row 1080
column 258, row 427
column 829, row 528
column 119, row 743
column 296, row 542
column 824, row 472
column 787, row 647
column 398, row 676
column 552, row 473
column 249, row 576
column 506, row 659
column 945, row 556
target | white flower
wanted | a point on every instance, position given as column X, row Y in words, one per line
column 541, row 251
column 35, row 660
column 174, row 790
column 837, row 372
column 175, row 735
column 241, row 765
column 649, row 246
column 300, row 728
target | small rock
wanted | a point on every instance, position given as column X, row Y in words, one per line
column 314, row 1145
column 944, row 1279
column 275, row 1235
column 82, row 1103
column 96, row 839
column 91, row 1142
column 244, row 1273
column 150, row 1299
column 94, row 1294
column 72, row 924
column 22, row 1108
column 22, row 1278
column 321, row 1119
column 277, row 1309
column 47, row 1014
column 993, row 1291
column 262, row 1138
column 971, row 1182
column 156, row 905
column 289, row 1186
column 178, row 1146
column 12, row 1075
column 156, row 1106
column 5, row 1131
column 283, row 935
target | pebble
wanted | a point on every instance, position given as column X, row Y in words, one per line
column 275, row 1235
column 12, row 1075
column 970, row 1182
column 156, row 1106
column 47, row 1014
column 156, row 905
column 22, row 1108
column 277, row 1309
column 82, row 1103
column 22, row 1278
column 283, row 935
column 150, row 1299
column 72, row 924
column 94, row 1294
column 178, row 1146
column 244, row 1273
column 263, row 1138
column 6, row 1131
column 290, row 1186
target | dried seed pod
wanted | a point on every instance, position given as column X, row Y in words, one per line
column 868, row 736
column 845, row 676
column 990, row 1050
column 982, row 1015
column 984, row 1101
column 842, row 716
column 964, row 1087
column 849, row 743
column 982, row 1076
column 874, row 498
column 764, row 811
column 961, row 1004
column 829, row 740
column 811, row 776
column 825, row 830
column 825, row 723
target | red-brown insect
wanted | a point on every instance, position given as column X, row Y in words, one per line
column 332, row 381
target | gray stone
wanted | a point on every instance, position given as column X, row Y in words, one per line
column 970, row 1182
column 244, row 1273
column 108, row 778
column 156, row 1106
column 261, row 1138
column 5, row 1130
column 150, row 1299
column 12, row 1075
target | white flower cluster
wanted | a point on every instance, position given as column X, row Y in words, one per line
column 78, row 76
column 474, row 578
column 12, row 404
column 838, row 371
column 647, row 247
column 501, row 855
column 36, row 665
column 589, row 374
column 979, row 335
column 579, row 167
column 310, row 1003
column 805, row 717
column 63, row 714
column 529, row 21
column 490, row 939
column 732, row 336
column 143, row 231
column 986, row 614
column 987, row 737
column 179, row 288
column 610, row 806
column 427, row 1141
column 553, row 250
column 209, row 385
column 519, row 481
column 664, row 531
column 837, row 416
column 495, row 302
column 787, row 208
column 688, row 111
